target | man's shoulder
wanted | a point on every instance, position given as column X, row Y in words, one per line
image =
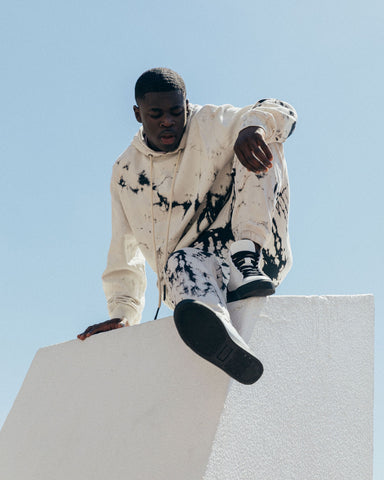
column 124, row 158
column 210, row 112
column 210, row 107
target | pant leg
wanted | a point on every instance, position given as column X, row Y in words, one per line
column 260, row 213
column 257, row 209
column 191, row 273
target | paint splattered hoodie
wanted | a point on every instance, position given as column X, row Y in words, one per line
column 164, row 201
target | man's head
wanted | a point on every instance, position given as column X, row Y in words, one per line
column 161, row 107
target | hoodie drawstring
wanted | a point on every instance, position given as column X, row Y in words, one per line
column 159, row 278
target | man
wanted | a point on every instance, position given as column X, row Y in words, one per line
column 202, row 194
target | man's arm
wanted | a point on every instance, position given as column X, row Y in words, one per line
column 269, row 121
column 124, row 279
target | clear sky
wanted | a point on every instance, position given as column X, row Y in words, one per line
column 67, row 76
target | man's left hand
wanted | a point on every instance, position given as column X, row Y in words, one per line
column 252, row 151
column 100, row 328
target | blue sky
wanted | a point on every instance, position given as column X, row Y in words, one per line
column 68, row 71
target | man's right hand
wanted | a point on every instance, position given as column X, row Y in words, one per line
column 100, row 328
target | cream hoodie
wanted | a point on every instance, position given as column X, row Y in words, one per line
column 196, row 179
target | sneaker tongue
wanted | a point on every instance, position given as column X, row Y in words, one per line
column 241, row 246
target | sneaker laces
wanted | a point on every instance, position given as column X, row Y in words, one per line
column 247, row 263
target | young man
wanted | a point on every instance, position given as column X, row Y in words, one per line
column 201, row 194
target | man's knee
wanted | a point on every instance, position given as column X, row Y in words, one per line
column 185, row 257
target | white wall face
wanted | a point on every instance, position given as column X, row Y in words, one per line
column 137, row 404
column 131, row 404
column 310, row 417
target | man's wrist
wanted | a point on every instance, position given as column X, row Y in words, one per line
column 253, row 129
column 124, row 322
column 256, row 128
column 126, row 313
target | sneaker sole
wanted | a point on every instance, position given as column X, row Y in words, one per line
column 206, row 335
column 257, row 288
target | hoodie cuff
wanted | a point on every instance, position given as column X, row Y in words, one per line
column 129, row 315
column 257, row 122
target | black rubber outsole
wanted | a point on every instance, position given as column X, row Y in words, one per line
column 258, row 288
column 205, row 334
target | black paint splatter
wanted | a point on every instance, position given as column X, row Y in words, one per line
column 164, row 203
column 143, row 180
column 214, row 203
column 216, row 240
column 184, row 276
column 282, row 203
column 274, row 264
column 292, row 129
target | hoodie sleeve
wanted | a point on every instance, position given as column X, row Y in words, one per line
column 277, row 118
column 124, row 280
column 219, row 126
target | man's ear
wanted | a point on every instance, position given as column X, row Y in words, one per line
column 187, row 104
column 136, row 109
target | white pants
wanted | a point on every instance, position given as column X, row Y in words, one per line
column 257, row 210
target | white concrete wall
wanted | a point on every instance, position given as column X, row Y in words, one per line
column 310, row 417
column 137, row 404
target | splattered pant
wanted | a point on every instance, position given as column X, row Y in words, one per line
column 257, row 210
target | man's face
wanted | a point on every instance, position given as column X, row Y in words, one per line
column 164, row 116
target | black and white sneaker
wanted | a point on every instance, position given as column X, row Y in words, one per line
column 216, row 340
column 246, row 277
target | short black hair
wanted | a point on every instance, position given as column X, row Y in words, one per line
column 159, row 80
